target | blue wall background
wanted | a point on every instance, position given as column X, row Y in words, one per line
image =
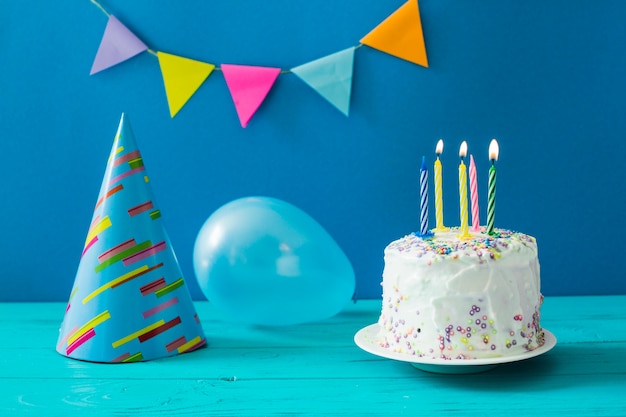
column 545, row 78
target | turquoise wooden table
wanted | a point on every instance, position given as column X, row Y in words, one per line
column 315, row 369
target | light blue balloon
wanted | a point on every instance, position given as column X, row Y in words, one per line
column 264, row 261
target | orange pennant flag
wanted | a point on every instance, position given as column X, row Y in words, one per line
column 400, row 35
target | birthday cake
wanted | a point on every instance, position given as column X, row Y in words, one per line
column 451, row 298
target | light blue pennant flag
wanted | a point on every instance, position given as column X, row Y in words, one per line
column 331, row 77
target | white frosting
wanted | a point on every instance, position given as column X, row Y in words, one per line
column 451, row 298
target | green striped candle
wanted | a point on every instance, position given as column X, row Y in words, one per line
column 491, row 202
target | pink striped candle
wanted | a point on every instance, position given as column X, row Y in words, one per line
column 474, row 195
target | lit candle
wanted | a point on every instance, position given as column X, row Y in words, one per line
column 439, row 227
column 424, row 200
column 474, row 195
column 464, row 232
column 494, row 150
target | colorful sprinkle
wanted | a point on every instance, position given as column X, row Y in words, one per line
column 477, row 245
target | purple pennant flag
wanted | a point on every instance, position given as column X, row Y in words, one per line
column 118, row 44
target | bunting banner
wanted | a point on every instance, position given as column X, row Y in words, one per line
column 399, row 35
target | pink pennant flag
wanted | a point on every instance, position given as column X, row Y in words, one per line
column 117, row 45
column 248, row 87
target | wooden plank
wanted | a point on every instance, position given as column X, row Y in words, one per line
column 460, row 395
column 572, row 319
column 314, row 369
column 296, row 363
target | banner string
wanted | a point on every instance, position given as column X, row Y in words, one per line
column 102, row 9
column 154, row 53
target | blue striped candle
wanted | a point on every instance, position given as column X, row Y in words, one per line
column 424, row 198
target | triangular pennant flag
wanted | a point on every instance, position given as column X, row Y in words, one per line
column 331, row 76
column 248, row 87
column 129, row 302
column 400, row 35
column 182, row 77
column 117, row 45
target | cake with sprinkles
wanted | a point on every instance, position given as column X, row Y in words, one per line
column 451, row 298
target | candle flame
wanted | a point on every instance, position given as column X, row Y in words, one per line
column 494, row 150
column 439, row 148
column 463, row 149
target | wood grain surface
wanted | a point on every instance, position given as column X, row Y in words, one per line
column 315, row 369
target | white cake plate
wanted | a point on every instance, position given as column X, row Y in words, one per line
column 366, row 340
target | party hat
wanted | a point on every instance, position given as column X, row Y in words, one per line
column 129, row 302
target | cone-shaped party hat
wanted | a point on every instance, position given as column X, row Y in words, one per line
column 130, row 301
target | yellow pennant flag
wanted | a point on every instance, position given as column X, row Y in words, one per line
column 182, row 78
column 400, row 35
